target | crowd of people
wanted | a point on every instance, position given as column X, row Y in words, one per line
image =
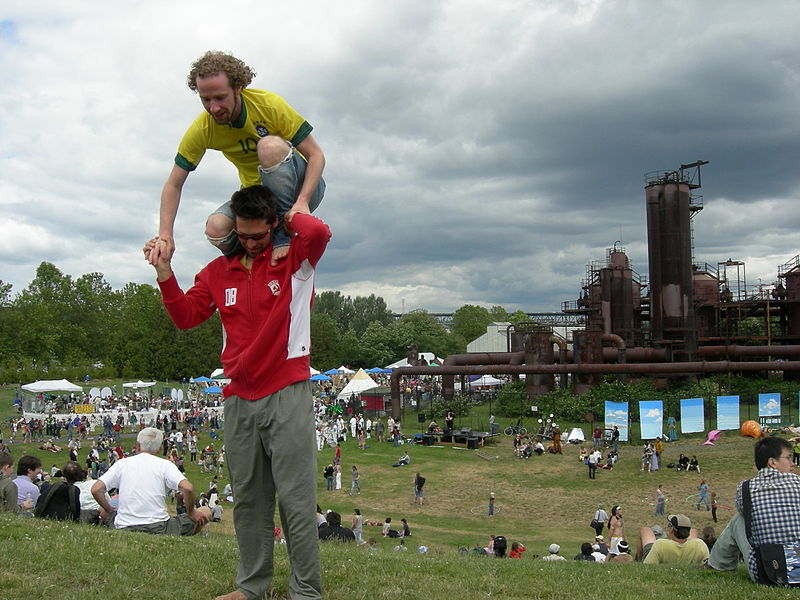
column 49, row 429
column 130, row 494
column 101, row 493
column 330, row 528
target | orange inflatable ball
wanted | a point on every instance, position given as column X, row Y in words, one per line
column 751, row 429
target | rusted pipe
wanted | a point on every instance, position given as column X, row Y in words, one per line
column 619, row 343
column 632, row 355
column 562, row 357
column 749, row 351
column 477, row 358
column 722, row 366
column 615, row 339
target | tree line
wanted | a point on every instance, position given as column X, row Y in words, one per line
column 59, row 326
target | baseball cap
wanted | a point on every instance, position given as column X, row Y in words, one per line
column 554, row 548
column 679, row 521
column 599, row 538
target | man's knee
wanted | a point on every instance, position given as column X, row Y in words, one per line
column 646, row 536
column 272, row 150
column 218, row 226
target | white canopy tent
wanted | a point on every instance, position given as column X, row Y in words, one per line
column 139, row 384
column 346, row 371
column 359, row 383
column 51, row 385
column 428, row 356
column 486, row 381
column 219, row 376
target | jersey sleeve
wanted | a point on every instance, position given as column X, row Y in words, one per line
column 287, row 122
column 194, row 144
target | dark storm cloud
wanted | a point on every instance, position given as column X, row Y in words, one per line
column 476, row 152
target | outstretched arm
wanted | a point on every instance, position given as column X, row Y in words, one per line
column 170, row 199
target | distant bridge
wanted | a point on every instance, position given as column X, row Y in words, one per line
column 545, row 318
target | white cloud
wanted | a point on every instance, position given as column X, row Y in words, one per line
column 653, row 413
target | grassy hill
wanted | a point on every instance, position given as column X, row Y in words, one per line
column 541, row 500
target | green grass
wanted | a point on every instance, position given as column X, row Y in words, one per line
column 73, row 562
column 542, row 500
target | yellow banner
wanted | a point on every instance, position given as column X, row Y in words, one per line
column 84, row 408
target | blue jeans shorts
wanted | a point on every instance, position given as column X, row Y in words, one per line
column 284, row 180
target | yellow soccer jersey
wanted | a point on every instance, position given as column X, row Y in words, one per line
column 263, row 113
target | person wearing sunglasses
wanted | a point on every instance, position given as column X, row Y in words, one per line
column 265, row 311
column 775, row 514
column 266, row 139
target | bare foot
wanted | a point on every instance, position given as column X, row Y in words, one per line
column 235, row 595
column 279, row 253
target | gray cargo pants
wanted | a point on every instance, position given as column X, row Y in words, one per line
column 270, row 447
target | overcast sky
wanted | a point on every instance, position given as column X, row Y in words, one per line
column 477, row 152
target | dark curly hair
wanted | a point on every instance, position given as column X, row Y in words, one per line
column 213, row 62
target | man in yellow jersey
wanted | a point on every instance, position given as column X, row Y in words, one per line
column 267, row 141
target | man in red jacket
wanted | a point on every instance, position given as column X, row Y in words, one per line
column 269, row 424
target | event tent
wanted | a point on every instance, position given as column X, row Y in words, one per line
column 320, row 377
column 202, row 379
column 212, row 389
column 139, row 384
column 486, row 381
column 360, row 382
column 428, row 356
column 51, row 385
column 345, row 370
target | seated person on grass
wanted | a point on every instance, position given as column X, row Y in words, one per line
column 403, row 460
column 682, row 546
column 775, row 512
column 554, row 553
column 334, row 531
column 683, row 463
column 143, row 481
column 60, row 500
column 8, row 489
column 29, row 468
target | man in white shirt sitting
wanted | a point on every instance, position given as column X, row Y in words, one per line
column 143, row 481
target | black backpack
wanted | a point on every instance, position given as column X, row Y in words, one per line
column 60, row 501
column 500, row 545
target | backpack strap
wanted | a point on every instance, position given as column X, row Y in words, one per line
column 747, row 510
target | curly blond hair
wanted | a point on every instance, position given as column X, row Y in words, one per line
column 213, row 62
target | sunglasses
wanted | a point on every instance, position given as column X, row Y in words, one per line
column 255, row 236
